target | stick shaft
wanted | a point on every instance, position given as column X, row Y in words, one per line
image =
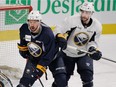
column 40, row 82
column 108, row 59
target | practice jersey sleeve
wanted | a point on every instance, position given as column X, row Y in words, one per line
column 65, row 25
column 94, row 41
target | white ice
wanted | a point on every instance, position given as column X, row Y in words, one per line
column 104, row 71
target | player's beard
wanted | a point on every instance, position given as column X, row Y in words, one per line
column 34, row 29
column 84, row 19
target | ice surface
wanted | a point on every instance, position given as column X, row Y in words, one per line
column 105, row 71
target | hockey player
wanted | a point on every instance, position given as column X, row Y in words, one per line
column 82, row 32
column 57, row 66
column 37, row 45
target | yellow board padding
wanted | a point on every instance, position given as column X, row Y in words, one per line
column 14, row 34
column 9, row 35
column 109, row 29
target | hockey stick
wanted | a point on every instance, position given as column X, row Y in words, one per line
column 58, row 53
column 6, row 78
column 90, row 53
column 40, row 82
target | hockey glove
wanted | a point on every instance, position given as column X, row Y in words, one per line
column 23, row 50
column 40, row 70
column 96, row 54
column 61, row 41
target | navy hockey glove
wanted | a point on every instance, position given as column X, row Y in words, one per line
column 23, row 50
column 40, row 70
column 61, row 40
column 96, row 54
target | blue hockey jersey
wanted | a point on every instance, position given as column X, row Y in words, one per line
column 41, row 46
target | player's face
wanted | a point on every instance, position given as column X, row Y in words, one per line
column 85, row 16
column 34, row 25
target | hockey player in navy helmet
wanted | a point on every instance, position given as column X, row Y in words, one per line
column 82, row 32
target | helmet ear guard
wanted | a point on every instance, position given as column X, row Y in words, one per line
column 87, row 6
column 34, row 15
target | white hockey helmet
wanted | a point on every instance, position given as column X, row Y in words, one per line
column 34, row 15
column 87, row 6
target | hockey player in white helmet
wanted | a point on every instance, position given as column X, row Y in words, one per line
column 37, row 45
column 81, row 31
column 32, row 18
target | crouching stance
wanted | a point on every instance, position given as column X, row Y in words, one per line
column 37, row 45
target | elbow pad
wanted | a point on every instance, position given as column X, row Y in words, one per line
column 23, row 50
